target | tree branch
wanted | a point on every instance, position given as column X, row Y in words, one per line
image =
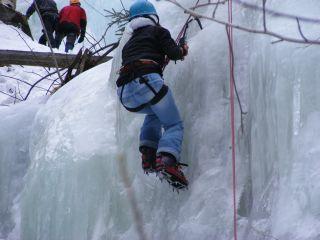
column 246, row 29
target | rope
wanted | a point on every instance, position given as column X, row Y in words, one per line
column 232, row 113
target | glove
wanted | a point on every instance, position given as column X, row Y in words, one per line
column 81, row 38
column 185, row 50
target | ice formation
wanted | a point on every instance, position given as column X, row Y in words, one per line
column 76, row 141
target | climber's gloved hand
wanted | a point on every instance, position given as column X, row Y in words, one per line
column 81, row 38
column 185, row 49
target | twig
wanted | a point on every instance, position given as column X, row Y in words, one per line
column 109, row 45
column 33, row 85
column 277, row 14
column 300, row 31
column 10, row 95
column 54, row 83
column 48, row 40
column 20, row 80
column 263, row 32
column 31, row 50
column 107, row 52
column 15, row 95
column 233, row 78
column 216, row 4
column 19, row 90
column 216, row 8
column 264, row 15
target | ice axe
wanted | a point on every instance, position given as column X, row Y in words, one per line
column 182, row 40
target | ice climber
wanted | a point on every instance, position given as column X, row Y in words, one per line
column 49, row 14
column 141, row 89
column 72, row 23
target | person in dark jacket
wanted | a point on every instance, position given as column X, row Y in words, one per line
column 49, row 14
column 141, row 89
column 72, row 23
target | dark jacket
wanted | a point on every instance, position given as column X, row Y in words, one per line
column 45, row 7
column 76, row 15
column 151, row 42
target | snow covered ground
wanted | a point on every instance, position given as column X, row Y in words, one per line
column 60, row 156
column 15, row 81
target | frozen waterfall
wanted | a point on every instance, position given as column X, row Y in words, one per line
column 59, row 159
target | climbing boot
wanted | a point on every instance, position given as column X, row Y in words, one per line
column 69, row 46
column 168, row 168
column 148, row 158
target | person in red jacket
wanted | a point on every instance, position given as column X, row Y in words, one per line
column 72, row 23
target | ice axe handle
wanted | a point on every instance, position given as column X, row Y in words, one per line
column 182, row 41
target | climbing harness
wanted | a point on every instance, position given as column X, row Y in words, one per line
column 181, row 40
column 132, row 69
column 232, row 116
column 157, row 95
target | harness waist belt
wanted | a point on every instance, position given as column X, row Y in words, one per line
column 137, row 69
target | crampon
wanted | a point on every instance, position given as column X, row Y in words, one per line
column 171, row 171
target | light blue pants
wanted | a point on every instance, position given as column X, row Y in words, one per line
column 164, row 115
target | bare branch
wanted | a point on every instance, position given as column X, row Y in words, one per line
column 20, row 80
column 233, row 77
column 246, row 29
column 19, row 90
column 48, row 40
column 31, row 50
column 277, row 14
column 105, row 47
column 216, row 7
column 264, row 14
column 300, row 30
column 216, row 4
column 10, row 96
column 35, row 84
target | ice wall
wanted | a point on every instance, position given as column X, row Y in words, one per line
column 69, row 187
column 74, row 190
column 284, row 109
column 15, row 128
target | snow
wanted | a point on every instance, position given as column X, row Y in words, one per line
column 66, row 159
column 17, row 80
column 14, row 39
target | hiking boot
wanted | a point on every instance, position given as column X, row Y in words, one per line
column 148, row 158
column 169, row 169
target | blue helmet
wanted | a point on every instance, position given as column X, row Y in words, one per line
column 142, row 8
